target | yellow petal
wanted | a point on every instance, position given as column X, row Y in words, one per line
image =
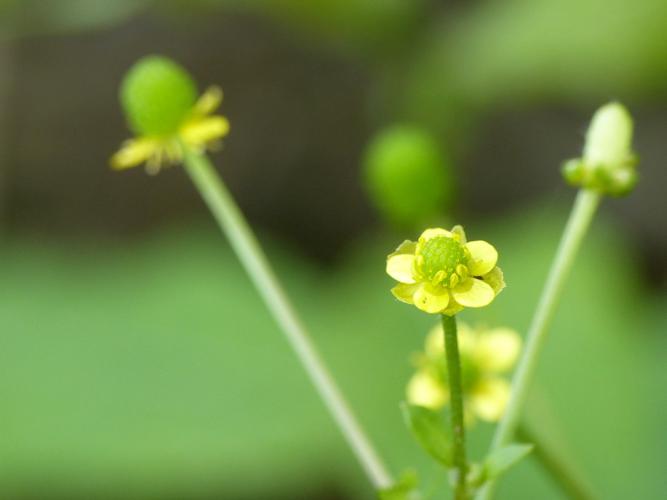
column 400, row 267
column 424, row 390
column 435, row 342
column 201, row 132
column 497, row 350
column 434, row 233
column 404, row 292
column 473, row 293
column 134, row 152
column 467, row 338
column 489, row 397
column 468, row 417
column 208, row 102
column 483, row 257
column 429, row 300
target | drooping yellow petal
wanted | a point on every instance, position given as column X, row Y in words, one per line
column 430, row 300
column 424, row 390
column 473, row 293
column 488, row 398
column 406, row 247
column 497, row 350
column 453, row 307
column 434, row 233
column 134, row 152
column 483, row 257
column 404, row 292
column 467, row 339
column 208, row 102
column 495, row 279
column 201, row 132
column 459, row 234
column 435, row 342
column 401, row 267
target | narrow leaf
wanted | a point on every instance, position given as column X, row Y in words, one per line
column 499, row 461
column 431, row 431
column 404, row 489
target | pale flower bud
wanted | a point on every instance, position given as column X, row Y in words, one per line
column 609, row 137
column 608, row 162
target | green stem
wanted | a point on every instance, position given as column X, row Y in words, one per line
column 581, row 216
column 456, row 400
column 245, row 244
column 560, row 470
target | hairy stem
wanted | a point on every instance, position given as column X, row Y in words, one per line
column 456, row 400
column 581, row 216
column 245, row 244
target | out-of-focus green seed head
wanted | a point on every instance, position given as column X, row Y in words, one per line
column 407, row 176
column 157, row 94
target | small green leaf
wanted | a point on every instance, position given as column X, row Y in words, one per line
column 431, row 431
column 499, row 461
column 404, row 489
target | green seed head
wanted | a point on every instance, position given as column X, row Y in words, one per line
column 407, row 175
column 441, row 255
column 157, row 94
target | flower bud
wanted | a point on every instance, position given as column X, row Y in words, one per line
column 157, row 95
column 609, row 137
column 608, row 162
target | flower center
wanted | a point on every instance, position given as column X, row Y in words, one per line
column 441, row 258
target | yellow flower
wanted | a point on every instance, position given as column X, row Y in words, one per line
column 159, row 100
column 443, row 273
column 486, row 354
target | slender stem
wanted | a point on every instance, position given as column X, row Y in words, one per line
column 245, row 244
column 456, row 399
column 581, row 216
column 561, row 471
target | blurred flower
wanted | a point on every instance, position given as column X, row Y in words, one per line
column 608, row 162
column 160, row 102
column 443, row 273
column 407, row 175
column 486, row 354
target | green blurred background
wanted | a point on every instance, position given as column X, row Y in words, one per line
column 136, row 360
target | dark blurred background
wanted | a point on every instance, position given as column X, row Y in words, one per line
column 136, row 361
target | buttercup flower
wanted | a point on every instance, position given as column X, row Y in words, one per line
column 160, row 102
column 443, row 273
column 486, row 354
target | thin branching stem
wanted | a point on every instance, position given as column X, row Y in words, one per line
column 247, row 248
column 580, row 219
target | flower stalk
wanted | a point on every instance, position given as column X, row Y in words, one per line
column 245, row 244
column 456, row 397
column 580, row 219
